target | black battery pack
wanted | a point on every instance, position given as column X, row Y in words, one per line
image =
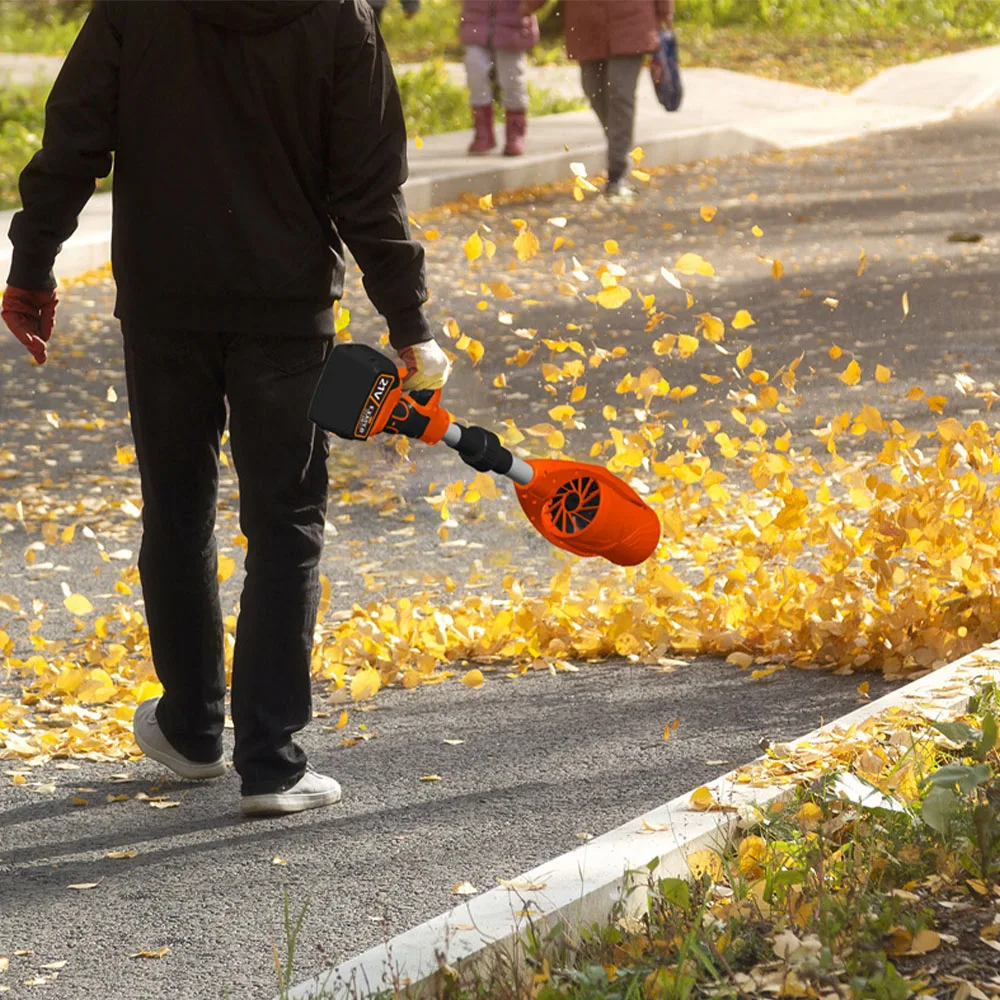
column 355, row 393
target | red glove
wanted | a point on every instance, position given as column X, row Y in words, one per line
column 30, row 316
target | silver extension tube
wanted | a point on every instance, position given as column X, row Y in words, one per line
column 520, row 472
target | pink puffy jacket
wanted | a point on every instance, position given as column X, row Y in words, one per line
column 497, row 24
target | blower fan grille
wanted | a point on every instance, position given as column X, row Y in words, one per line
column 574, row 505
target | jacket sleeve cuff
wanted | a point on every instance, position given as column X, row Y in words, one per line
column 32, row 272
column 407, row 327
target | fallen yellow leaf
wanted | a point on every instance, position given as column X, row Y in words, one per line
column 702, row 799
column 613, row 297
column 752, row 853
column 473, row 247
column 77, row 604
column 227, row 566
column 693, row 263
column 851, row 375
column 365, row 685
column 158, row 953
column 526, row 245
column 706, row 862
column 809, row 815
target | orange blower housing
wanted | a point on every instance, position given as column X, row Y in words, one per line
column 588, row 511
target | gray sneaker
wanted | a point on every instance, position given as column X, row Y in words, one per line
column 156, row 746
column 620, row 192
column 311, row 791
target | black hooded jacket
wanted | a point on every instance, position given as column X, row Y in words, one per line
column 250, row 137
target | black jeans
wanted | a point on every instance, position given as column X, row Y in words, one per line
column 178, row 385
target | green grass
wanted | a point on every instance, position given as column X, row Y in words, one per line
column 845, row 16
column 545, row 102
column 29, row 27
column 824, row 59
column 431, row 103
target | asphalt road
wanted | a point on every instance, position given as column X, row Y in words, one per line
column 546, row 758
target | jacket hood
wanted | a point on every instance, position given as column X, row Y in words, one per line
column 255, row 17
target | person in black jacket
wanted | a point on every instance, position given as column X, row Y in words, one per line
column 251, row 139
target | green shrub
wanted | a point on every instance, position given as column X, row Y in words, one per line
column 433, row 32
column 22, row 118
column 40, row 27
column 546, row 102
column 431, row 102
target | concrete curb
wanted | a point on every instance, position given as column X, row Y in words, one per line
column 496, row 175
column 585, row 885
column 959, row 82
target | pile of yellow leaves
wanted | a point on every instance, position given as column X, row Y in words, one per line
column 772, row 555
column 894, row 751
column 890, row 565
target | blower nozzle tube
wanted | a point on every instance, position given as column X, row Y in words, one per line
column 481, row 449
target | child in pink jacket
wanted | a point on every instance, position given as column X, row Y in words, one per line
column 495, row 33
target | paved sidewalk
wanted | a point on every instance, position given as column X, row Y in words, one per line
column 25, row 68
column 724, row 114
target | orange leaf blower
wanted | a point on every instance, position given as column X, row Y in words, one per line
column 576, row 506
